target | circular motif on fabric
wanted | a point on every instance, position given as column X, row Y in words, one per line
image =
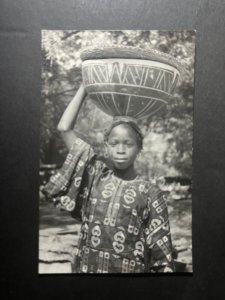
column 130, row 192
column 119, row 239
column 128, row 199
column 77, row 181
column 154, row 224
column 95, row 241
column 118, row 247
column 141, row 187
column 65, row 200
column 71, row 206
column 139, row 248
column 110, row 186
column 107, row 193
column 96, row 231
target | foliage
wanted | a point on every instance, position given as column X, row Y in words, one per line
column 168, row 135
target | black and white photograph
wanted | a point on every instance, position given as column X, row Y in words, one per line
column 112, row 146
column 116, row 143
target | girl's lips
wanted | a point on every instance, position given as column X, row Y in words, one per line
column 120, row 159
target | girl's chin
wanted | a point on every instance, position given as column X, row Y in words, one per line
column 121, row 166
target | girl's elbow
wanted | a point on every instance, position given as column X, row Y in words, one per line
column 62, row 127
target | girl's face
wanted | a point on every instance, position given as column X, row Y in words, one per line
column 122, row 146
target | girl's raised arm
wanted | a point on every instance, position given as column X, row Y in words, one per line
column 68, row 118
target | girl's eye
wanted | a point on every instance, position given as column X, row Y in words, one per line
column 112, row 143
column 130, row 144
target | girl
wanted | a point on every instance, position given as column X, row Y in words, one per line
column 125, row 227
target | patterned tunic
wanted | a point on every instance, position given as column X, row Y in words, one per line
column 125, row 227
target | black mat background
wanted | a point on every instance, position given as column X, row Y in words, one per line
column 21, row 22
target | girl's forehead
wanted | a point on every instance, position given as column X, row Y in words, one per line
column 122, row 131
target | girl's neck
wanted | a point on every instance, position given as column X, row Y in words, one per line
column 127, row 174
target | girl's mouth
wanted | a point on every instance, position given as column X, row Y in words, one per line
column 120, row 159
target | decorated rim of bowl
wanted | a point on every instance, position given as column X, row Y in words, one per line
column 130, row 52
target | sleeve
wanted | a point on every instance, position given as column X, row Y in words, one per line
column 64, row 186
column 158, row 237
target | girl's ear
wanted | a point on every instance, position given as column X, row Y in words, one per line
column 106, row 154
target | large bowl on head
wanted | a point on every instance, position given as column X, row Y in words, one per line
column 129, row 81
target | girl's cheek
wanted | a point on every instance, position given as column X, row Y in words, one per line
column 111, row 150
column 110, row 153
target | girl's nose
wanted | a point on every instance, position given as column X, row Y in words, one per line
column 121, row 148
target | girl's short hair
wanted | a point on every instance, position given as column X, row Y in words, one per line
column 127, row 121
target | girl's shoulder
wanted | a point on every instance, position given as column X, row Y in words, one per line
column 142, row 182
column 147, row 187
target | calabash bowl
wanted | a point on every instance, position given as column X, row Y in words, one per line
column 128, row 81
